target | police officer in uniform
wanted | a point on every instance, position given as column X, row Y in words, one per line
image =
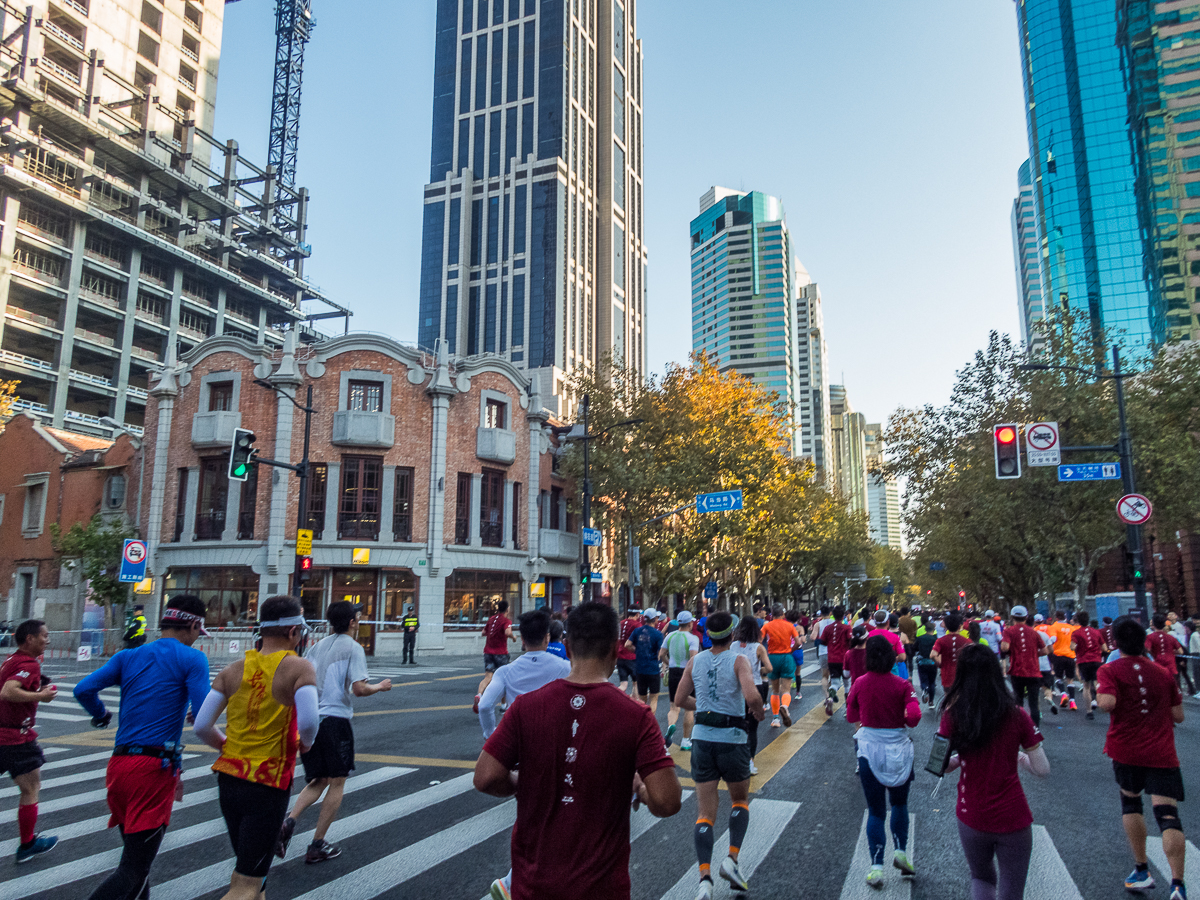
column 410, row 624
column 135, row 634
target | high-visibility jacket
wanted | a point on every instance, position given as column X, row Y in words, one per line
column 410, row 622
column 137, row 628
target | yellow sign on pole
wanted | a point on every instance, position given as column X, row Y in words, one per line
column 537, row 589
column 362, row 556
column 145, row 586
column 304, row 542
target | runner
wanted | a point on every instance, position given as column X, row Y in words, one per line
column 158, row 681
column 990, row 631
column 793, row 616
column 1038, row 622
column 1088, row 644
column 556, row 645
column 884, row 703
column 747, row 638
column 1162, row 646
column 589, row 747
column 496, row 633
column 341, row 667
column 23, row 688
column 1145, row 705
column 646, row 641
column 627, row 658
column 1106, row 630
column 679, row 647
column 882, row 625
column 1180, row 632
column 724, row 695
column 781, row 638
column 1194, row 652
column 836, row 640
column 1063, row 660
column 855, row 663
column 926, row 667
column 946, row 650
column 1024, row 647
column 411, row 625
column 824, row 620
column 271, row 697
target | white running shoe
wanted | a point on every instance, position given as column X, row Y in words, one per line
column 706, row 889
column 499, row 890
column 731, row 873
column 875, row 877
column 776, row 722
column 686, row 745
column 753, row 768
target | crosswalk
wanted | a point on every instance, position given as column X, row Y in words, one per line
column 404, row 822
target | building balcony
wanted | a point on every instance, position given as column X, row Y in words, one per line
column 559, row 545
column 211, row 430
column 496, row 445
column 364, row 429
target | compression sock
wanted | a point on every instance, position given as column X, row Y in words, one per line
column 739, row 821
column 704, row 846
column 786, row 701
column 774, row 704
column 27, row 821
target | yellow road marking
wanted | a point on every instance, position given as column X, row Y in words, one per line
column 415, row 761
column 392, row 712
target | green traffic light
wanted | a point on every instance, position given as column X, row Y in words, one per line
column 240, row 470
column 1137, row 573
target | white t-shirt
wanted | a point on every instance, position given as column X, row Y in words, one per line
column 1044, row 661
column 340, row 661
column 819, row 629
column 530, row 671
column 679, row 651
column 989, row 630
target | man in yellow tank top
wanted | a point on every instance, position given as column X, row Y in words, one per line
column 270, row 701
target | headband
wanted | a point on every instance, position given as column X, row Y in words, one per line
column 182, row 618
column 284, row 623
column 717, row 635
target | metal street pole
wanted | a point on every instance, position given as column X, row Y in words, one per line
column 587, row 496
column 1133, row 533
column 302, row 511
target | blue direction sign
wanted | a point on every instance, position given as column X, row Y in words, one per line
column 591, row 537
column 889, row 589
column 133, row 561
column 710, row 591
column 1090, row 472
column 723, row 501
column 937, row 567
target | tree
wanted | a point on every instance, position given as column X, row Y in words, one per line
column 8, row 397
column 97, row 547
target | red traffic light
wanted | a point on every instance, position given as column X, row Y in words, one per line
column 1006, row 434
column 305, row 563
column 962, row 594
column 1007, row 450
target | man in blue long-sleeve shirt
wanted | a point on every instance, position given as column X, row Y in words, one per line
column 158, row 681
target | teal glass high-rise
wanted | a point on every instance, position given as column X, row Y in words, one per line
column 1093, row 252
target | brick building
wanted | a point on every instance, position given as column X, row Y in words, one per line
column 49, row 477
column 432, row 483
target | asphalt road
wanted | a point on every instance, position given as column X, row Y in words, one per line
column 412, row 827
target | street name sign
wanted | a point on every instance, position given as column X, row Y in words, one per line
column 591, row 537
column 1090, row 472
column 1134, row 509
column 1042, row 446
column 133, row 562
column 722, row 501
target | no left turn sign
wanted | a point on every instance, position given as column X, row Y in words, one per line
column 1134, row 509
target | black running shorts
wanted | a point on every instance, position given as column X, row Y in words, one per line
column 253, row 813
column 625, row 669
column 21, row 759
column 649, row 684
column 493, row 661
column 332, row 753
column 1064, row 666
column 1149, row 780
column 1087, row 671
column 712, row 761
column 836, row 671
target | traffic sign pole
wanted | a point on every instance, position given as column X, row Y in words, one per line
column 1133, row 533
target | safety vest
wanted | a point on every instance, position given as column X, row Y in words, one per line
column 137, row 628
column 410, row 622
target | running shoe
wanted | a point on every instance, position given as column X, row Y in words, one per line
column 670, row 731
column 1063, row 701
column 828, row 707
column 1178, row 892
column 706, row 889
column 1054, row 708
column 1139, row 880
column 1090, row 715
column 1094, row 704
column 900, row 861
column 875, row 877
column 1072, row 705
column 499, row 890
column 731, row 873
column 319, row 851
column 786, row 715
column 285, row 837
column 776, row 722
column 475, row 705
column 686, row 745
column 753, row 768
column 833, row 694
column 1196, row 696
column 36, row 847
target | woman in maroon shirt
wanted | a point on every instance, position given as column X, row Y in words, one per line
column 988, row 732
column 884, row 704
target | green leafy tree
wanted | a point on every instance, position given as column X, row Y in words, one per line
column 97, row 548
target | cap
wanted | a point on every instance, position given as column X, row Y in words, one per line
column 651, row 614
column 1038, row 617
column 1019, row 612
column 916, row 607
column 684, row 618
column 990, row 613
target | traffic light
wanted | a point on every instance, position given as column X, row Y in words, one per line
column 241, row 455
column 1008, row 450
column 585, row 574
column 303, row 569
column 962, row 595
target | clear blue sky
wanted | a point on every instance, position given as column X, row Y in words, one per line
column 891, row 130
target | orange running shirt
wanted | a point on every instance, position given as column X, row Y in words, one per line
column 1061, row 632
column 780, row 635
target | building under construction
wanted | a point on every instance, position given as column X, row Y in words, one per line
column 126, row 229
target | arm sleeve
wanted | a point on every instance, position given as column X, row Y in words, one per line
column 206, row 720
column 197, row 683
column 307, row 719
column 87, row 692
column 487, row 703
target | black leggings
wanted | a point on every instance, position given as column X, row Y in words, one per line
column 131, row 880
column 253, row 813
column 1027, row 690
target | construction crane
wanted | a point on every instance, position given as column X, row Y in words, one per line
column 294, row 23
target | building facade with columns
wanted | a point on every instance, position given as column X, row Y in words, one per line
column 432, row 483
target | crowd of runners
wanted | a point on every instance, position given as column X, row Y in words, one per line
column 591, row 749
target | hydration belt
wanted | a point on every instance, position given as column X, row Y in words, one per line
column 171, row 754
column 721, row 720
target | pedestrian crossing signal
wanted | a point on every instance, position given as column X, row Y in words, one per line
column 1007, row 450
column 585, row 575
column 304, row 568
column 241, row 455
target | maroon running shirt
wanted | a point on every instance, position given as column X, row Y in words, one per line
column 1023, row 646
column 990, row 796
column 496, row 642
column 1161, row 647
column 17, row 719
column 948, row 647
column 1141, row 731
column 628, row 627
column 836, row 638
column 578, row 747
column 1088, row 643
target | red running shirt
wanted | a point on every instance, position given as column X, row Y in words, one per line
column 1141, row 731
column 1088, row 643
column 836, row 638
column 1162, row 646
column 1023, row 646
column 496, row 642
column 581, row 745
column 948, row 647
column 628, row 627
column 17, row 719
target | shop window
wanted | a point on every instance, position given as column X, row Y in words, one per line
column 220, row 396
column 462, row 509
column 358, row 509
column 402, row 511
column 248, row 505
column 472, row 596
column 496, row 414
column 365, row 396
column 318, row 480
column 401, row 590
column 491, row 508
column 211, row 498
column 180, row 505
column 230, row 592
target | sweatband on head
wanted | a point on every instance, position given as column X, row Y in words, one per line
column 725, row 632
column 173, row 618
column 284, row 623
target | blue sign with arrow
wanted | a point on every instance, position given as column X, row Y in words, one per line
column 722, row 501
column 591, row 537
column 1090, row 472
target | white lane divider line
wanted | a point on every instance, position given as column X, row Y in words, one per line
column 894, row 885
column 75, row 778
column 1158, row 859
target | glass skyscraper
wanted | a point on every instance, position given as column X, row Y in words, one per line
column 532, row 238
column 1092, row 250
column 742, row 289
column 1025, row 255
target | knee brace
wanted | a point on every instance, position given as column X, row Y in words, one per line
column 1167, row 817
column 1131, row 806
